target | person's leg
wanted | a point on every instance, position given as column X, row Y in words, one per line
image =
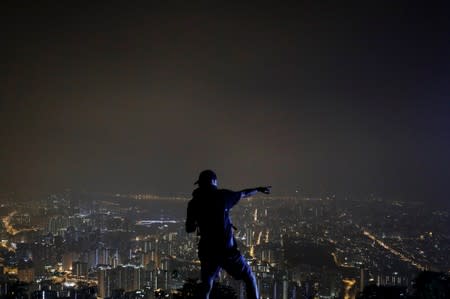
column 209, row 271
column 251, row 285
column 236, row 265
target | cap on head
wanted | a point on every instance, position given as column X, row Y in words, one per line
column 206, row 177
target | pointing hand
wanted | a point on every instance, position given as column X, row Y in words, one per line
column 265, row 190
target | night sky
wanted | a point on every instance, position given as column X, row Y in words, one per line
column 322, row 98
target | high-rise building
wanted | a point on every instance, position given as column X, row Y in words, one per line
column 285, row 287
column 57, row 225
column 249, row 236
column 361, row 279
column 68, row 258
column 131, row 277
column 80, row 269
column 104, row 281
column 126, row 277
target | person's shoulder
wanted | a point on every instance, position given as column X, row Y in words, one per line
column 230, row 197
column 196, row 194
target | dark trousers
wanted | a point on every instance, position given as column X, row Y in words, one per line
column 235, row 265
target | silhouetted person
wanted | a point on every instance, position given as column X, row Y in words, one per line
column 208, row 214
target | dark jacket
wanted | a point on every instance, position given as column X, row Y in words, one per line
column 208, row 213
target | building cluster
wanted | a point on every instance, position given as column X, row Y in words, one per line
column 78, row 245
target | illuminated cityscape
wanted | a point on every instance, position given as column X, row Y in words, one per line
column 110, row 245
column 110, row 111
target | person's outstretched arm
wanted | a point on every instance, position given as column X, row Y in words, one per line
column 235, row 196
column 253, row 191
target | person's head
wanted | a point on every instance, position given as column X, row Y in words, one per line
column 207, row 178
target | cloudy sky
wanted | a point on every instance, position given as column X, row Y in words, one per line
column 321, row 98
